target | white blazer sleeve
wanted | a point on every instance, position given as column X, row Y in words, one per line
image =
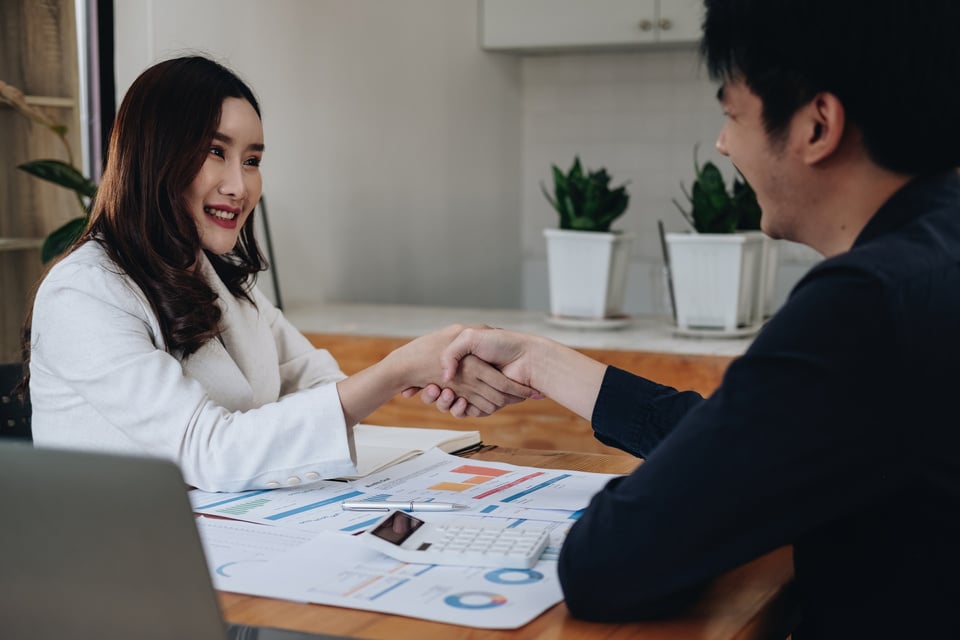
column 101, row 379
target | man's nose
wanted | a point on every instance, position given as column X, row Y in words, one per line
column 722, row 142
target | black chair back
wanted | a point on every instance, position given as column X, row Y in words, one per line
column 14, row 411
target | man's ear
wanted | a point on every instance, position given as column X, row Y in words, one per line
column 822, row 123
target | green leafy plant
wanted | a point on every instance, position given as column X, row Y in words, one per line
column 713, row 208
column 61, row 173
column 585, row 200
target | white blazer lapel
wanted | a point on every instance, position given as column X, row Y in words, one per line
column 247, row 342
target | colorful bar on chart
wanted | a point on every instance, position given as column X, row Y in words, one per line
column 542, row 485
column 315, row 505
column 243, row 496
column 506, row 486
column 475, row 470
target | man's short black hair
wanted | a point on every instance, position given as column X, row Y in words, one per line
column 894, row 64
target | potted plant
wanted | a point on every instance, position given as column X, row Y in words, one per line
column 586, row 261
column 722, row 275
column 58, row 172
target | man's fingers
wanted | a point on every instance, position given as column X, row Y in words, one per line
column 460, row 346
column 507, row 390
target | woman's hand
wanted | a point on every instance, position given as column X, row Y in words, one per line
column 447, row 400
column 475, row 389
column 554, row 370
column 506, row 350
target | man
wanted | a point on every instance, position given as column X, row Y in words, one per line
column 837, row 431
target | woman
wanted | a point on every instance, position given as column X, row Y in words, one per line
column 148, row 336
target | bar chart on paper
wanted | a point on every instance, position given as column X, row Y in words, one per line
column 472, row 476
column 439, row 476
column 490, row 488
column 312, row 508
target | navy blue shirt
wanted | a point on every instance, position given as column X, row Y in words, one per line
column 838, row 431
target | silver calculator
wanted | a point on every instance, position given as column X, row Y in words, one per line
column 406, row 538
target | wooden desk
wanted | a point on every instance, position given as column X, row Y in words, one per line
column 746, row 603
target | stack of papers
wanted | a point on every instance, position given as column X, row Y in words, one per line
column 308, row 552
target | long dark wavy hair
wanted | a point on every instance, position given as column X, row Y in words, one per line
column 160, row 139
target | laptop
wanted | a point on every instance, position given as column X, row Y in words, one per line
column 104, row 546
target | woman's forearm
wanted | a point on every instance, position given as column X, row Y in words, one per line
column 362, row 393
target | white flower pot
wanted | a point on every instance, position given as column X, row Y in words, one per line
column 587, row 272
column 716, row 279
column 767, row 289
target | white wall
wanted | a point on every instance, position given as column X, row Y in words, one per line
column 404, row 163
column 393, row 142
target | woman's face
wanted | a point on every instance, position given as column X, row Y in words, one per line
column 227, row 188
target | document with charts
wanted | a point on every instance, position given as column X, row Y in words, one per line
column 332, row 569
column 312, row 559
column 489, row 488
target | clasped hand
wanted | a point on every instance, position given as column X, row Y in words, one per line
column 482, row 371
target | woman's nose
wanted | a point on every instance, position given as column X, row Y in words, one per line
column 232, row 183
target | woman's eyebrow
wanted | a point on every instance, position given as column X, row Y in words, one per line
column 224, row 138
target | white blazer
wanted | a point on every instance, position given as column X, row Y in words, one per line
column 257, row 409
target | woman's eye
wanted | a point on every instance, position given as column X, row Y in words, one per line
column 252, row 162
column 217, row 151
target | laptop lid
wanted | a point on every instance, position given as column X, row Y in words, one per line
column 99, row 546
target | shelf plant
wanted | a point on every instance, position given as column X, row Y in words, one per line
column 61, row 173
column 714, row 209
column 584, row 199
column 587, row 271
column 720, row 276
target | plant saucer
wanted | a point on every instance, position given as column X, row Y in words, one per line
column 573, row 322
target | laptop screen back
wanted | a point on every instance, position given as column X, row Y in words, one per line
column 99, row 546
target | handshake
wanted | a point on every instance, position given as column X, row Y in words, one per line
column 475, row 370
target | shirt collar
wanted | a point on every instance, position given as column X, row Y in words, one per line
column 919, row 196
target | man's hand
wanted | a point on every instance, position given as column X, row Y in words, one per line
column 474, row 389
column 470, row 351
column 552, row 369
column 506, row 350
column 447, row 400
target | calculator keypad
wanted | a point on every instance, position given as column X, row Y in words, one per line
column 512, row 545
column 409, row 539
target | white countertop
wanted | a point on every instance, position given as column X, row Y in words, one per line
column 641, row 334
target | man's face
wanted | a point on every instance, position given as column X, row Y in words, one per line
column 766, row 164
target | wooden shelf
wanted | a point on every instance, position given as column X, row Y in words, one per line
column 51, row 101
column 46, row 101
column 39, row 56
column 19, row 244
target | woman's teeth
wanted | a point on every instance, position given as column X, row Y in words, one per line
column 219, row 213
